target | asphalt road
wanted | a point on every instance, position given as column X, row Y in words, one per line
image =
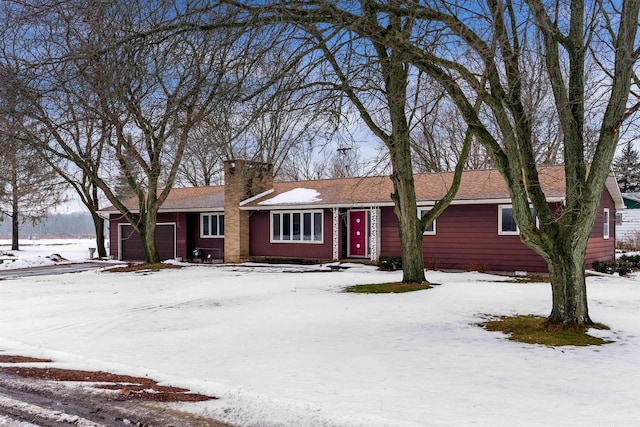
column 47, row 270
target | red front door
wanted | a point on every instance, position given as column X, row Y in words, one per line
column 358, row 233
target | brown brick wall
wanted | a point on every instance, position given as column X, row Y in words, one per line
column 242, row 179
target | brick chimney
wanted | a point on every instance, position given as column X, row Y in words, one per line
column 242, row 179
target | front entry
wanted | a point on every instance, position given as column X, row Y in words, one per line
column 358, row 233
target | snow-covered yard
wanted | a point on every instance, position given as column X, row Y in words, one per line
column 36, row 253
column 290, row 349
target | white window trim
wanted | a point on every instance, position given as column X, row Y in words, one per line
column 209, row 236
column 308, row 242
column 606, row 218
column 510, row 233
column 427, row 232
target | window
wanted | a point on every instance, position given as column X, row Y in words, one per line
column 297, row 227
column 431, row 228
column 507, row 222
column 212, row 225
column 605, row 223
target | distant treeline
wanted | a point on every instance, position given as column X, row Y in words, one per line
column 76, row 225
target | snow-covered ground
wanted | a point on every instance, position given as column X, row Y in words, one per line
column 35, row 253
column 290, row 349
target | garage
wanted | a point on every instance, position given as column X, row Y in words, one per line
column 131, row 244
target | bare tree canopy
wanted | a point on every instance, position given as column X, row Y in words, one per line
column 141, row 97
column 29, row 187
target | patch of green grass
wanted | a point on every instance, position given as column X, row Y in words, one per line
column 145, row 267
column 530, row 278
column 534, row 330
column 388, row 288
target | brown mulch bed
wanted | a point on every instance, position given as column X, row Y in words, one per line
column 4, row 358
column 130, row 387
column 145, row 267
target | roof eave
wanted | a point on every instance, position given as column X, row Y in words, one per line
column 552, row 199
column 614, row 190
column 166, row 210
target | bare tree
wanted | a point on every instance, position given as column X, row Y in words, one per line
column 499, row 46
column 29, row 188
column 375, row 79
column 438, row 140
column 150, row 90
column 267, row 119
column 306, row 161
column 204, row 153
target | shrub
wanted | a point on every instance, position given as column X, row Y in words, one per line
column 478, row 266
column 390, row 263
column 601, row 266
column 622, row 266
column 630, row 242
column 431, row 264
column 634, row 260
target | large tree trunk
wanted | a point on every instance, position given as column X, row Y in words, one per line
column 409, row 226
column 148, row 235
column 396, row 78
column 98, row 225
column 15, row 227
column 566, row 261
column 565, row 254
column 15, row 221
column 569, row 291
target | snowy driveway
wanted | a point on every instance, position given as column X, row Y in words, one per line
column 289, row 349
column 47, row 270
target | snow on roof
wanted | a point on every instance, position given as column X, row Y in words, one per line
column 295, row 196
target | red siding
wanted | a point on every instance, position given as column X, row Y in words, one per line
column 466, row 238
column 598, row 247
column 261, row 246
column 213, row 246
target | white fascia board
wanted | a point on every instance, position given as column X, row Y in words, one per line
column 614, row 190
column 556, row 199
column 188, row 210
column 313, row 206
column 105, row 214
column 256, row 197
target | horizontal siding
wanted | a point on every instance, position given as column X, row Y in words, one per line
column 599, row 248
column 261, row 246
column 213, row 246
column 466, row 237
column 630, row 226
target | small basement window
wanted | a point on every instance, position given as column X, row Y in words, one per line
column 212, row 225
